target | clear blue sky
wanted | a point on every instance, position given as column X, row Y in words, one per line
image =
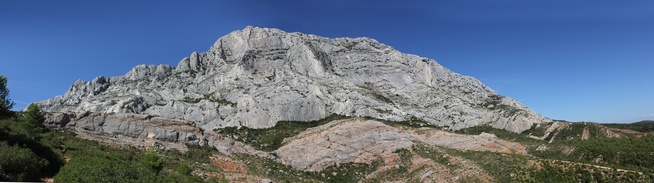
column 577, row 60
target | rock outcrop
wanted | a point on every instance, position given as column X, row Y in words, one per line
column 139, row 130
column 257, row 76
column 362, row 141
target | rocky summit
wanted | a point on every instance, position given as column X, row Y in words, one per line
column 256, row 77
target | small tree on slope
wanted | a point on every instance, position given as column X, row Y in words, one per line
column 5, row 102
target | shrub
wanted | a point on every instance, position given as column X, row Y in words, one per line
column 151, row 160
column 19, row 164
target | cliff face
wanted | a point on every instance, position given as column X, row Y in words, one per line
column 257, row 76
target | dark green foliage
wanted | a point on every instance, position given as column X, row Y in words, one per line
column 370, row 89
column 642, row 126
column 519, row 168
column 405, row 156
column 346, row 172
column 225, row 102
column 33, row 119
column 151, row 160
column 537, row 130
column 431, row 152
column 628, row 153
column 19, row 164
column 198, row 153
column 500, row 133
column 5, row 103
column 575, row 130
column 103, row 167
column 499, row 166
column 184, row 169
column 191, row 100
column 92, row 162
column 271, row 139
column 208, row 97
column 27, row 155
column 223, row 179
column 494, row 102
column 43, row 145
column 413, row 122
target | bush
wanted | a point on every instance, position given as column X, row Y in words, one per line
column 184, row 169
column 151, row 160
column 98, row 168
column 19, row 164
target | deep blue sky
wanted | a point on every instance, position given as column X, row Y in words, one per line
column 576, row 60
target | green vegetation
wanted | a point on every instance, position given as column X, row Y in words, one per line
column 208, row 97
column 347, row 172
column 5, row 103
column 191, row 100
column 225, row 102
column 29, row 152
column 642, row 126
column 38, row 148
column 627, row 153
column 575, row 130
column 500, row 133
column 152, row 161
column 19, row 164
column 494, row 102
column 271, row 139
column 33, row 119
column 369, row 89
column 537, row 130
column 519, row 168
column 413, row 122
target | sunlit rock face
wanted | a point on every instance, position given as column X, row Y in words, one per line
column 256, row 77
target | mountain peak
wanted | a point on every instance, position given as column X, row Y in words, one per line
column 255, row 77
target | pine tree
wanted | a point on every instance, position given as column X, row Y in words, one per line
column 5, row 103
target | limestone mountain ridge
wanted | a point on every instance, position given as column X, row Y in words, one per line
column 256, row 77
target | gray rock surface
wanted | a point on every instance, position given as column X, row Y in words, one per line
column 139, row 130
column 131, row 125
column 257, row 76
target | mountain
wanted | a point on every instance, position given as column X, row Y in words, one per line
column 292, row 107
column 256, row 77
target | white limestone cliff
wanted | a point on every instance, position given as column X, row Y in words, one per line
column 256, row 77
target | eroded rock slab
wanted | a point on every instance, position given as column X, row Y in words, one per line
column 362, row 141
column 145, row 131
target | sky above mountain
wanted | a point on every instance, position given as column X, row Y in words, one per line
column 575, row 60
